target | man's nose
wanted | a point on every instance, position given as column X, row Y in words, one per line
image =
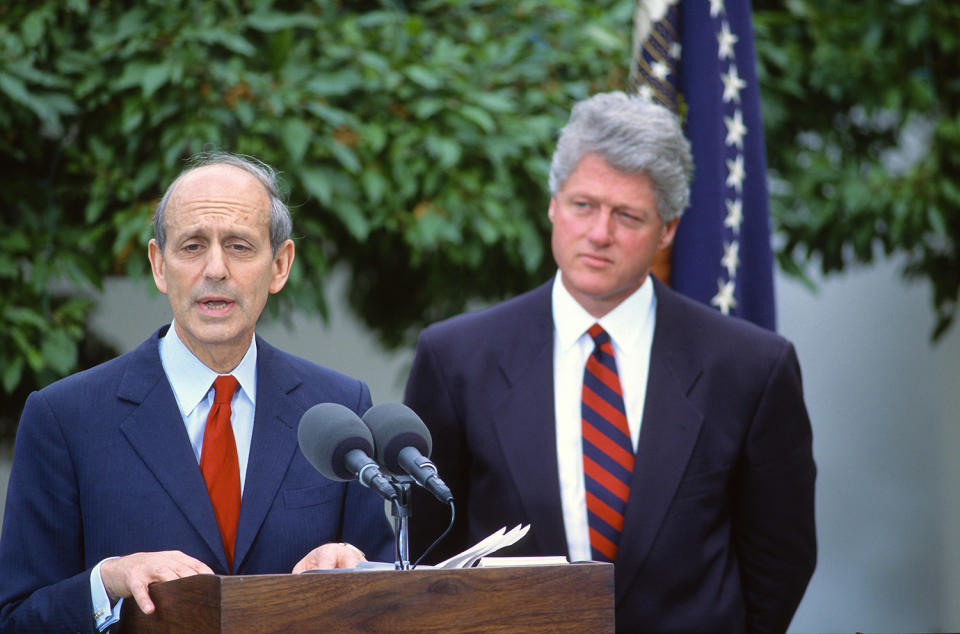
column 601, row 227
column 215, row 267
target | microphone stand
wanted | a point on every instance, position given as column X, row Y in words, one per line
column 400, row 509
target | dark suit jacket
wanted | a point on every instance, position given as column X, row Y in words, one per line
column 103, row 466
column 719, row 528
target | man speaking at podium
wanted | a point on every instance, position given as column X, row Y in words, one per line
column 624, row 422
column 181, row 457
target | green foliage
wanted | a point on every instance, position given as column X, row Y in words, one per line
column 413, row 140
column 862, row 119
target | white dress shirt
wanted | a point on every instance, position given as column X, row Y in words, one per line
column 630, row 326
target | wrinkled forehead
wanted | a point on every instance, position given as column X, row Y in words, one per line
column 219, row 189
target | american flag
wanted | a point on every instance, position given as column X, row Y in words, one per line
column 697, row 57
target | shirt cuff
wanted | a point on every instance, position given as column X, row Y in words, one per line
column 104, row 615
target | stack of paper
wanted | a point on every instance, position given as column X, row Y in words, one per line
column 500, row 539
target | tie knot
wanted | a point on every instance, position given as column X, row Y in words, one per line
column 223, row 388
column 599, row 335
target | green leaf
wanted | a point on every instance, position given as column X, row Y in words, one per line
column 478, row 116
column 276, row 21
column 319, row 183
column 31, row 355
column 296, row 134
column 12, row 373
column 335, row 84
column 231, row 41
column 21, row 316
column 447, row 151
column 345, row 156
column 33, row 26
column 423, row 77
column 59, row 351
column 353, row 219
column 152, row 77
column 375, row 186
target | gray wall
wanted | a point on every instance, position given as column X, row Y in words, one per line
column 882, row 402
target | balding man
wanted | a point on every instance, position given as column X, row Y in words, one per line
column 181, row 457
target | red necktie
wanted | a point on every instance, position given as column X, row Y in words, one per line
column 219, row 466
column 607, row 448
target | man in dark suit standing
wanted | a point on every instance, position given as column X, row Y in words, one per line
column 181, row 457
column 624, row 422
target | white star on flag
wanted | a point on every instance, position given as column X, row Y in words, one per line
column 731, row 258
column 660, row 70
column 736, row 173
column 732, row 85
column 725, row 41
column 675, row 50
column 724, row 299
column 734, row 215
column 716, row 8
column 645, row 91
column 735, row 129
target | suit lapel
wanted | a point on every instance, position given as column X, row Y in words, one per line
column 273, row 445
column 669, row 431
column 155, row 430
column 523, row 417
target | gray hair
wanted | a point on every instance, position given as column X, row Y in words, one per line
column 633, row 135
column 280, row 223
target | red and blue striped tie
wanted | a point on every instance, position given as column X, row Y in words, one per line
column 607, row 448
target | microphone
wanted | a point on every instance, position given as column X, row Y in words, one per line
column 403, row 443
column 338, row 444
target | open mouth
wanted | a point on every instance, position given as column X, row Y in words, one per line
column 215, row 304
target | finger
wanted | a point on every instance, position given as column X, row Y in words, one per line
column 300, row 567
column 349, row 556
column 187, row 566
column 320, row 558
column 142, row 598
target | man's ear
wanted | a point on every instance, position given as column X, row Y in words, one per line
column 669, row 231
column 156, row 265
column 282, row 262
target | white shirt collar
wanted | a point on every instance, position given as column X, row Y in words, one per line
column 191, row 379
column 571, row 320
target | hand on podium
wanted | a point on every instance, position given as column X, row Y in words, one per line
column 130, row 575
column 330, row 556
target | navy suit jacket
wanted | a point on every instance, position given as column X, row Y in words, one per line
column 719, row 529
column 103, row 467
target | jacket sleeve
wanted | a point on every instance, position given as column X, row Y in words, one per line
column 774, row 501
column 45, row 584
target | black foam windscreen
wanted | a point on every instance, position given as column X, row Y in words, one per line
column 327, row 432
column 395, row 426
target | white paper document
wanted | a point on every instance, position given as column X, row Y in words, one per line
column 500, row 539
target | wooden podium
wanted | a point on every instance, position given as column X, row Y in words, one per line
column 561, row 598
